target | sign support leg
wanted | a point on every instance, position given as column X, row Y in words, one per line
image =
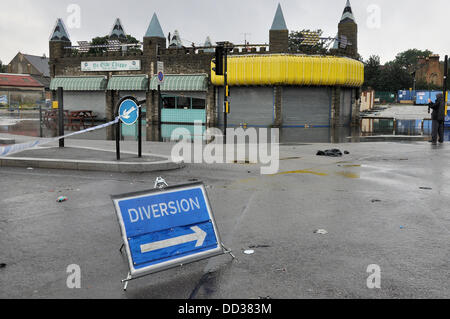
column 126, row 281
column 228, row 251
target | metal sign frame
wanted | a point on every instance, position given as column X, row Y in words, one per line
column 176, row 262
column 119, row 123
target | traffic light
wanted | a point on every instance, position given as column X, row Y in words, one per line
column 218, row 61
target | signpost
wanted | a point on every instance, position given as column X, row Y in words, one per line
column 129, row 112
column 165, row 228
column 160, row 72
column 60, row 96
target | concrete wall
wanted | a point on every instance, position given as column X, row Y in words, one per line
column 367, row 100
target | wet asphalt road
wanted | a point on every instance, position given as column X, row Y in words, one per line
column 384, row 204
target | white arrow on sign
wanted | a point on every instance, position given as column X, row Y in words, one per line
column 126, row 113
column 199, row 236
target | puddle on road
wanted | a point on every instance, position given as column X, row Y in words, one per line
column 350, row 166
column 349, row 175
column 300, row 172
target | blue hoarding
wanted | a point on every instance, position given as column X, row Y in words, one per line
column 163, row 229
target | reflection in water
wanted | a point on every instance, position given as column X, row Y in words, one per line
column 27, row 124
column 374, row 127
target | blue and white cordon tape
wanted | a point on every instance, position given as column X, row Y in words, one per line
column 11, row 149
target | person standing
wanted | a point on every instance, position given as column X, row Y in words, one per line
column 438, row 117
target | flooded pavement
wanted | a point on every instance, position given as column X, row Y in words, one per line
column 27, row 124
column 383, row 204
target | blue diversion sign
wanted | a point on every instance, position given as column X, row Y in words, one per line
column 166, row 228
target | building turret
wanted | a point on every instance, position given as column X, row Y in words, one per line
column 348, row 29
column 176, row 42
column 117, row 32
column 279, row 33
column 154, row 37
column 59, row 41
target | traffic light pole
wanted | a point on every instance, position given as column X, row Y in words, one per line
column 225, row 94
column 445, row 82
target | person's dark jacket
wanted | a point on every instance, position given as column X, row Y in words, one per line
column 438, row 108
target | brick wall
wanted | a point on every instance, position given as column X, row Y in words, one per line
column 350, row 30
column 279, row 41
column 430, row 70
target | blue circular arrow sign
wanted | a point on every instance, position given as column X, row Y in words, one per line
column 129, row 112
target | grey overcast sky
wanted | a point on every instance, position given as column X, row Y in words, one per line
column 386, row 27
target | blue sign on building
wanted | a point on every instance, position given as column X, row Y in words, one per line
column 129, row 111
column 166, row 228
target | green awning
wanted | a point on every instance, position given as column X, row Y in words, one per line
column 82, row 83
column 181, row 83
column 128, row 83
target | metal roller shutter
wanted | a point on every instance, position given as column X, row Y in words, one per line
column 346, row 107
column 94, row 101
column 306, row 106
column 250, row 105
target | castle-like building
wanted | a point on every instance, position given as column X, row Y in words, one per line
column 270, row 85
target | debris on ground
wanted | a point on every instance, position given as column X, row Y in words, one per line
column 321, row 232
column 265, row 298
column 376, row 201
column 249, row 252
column 330, row 153
column 30, row 168
column 2, row 265
column 426, row 188
column 402, row 227
column 347, row 153
column 281, row 269
column 259, row 246
column 62, row 199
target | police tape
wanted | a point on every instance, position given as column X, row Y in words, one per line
column 11, row 149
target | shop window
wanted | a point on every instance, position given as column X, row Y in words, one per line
column 198, row 104
column 169, row 102
column 183, row 103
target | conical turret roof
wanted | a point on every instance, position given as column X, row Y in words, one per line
column 154, row 29
column 59, row 32
column 117, row 32
column 278, row 22
column 175, row 42
column 348, row 16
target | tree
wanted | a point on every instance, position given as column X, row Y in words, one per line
column 296, row 39
column 397, row 74
column 410, row 58
column 3, row 68
column 372, row 72
column 99, row 41
column 104, row 41
column 394, row 77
